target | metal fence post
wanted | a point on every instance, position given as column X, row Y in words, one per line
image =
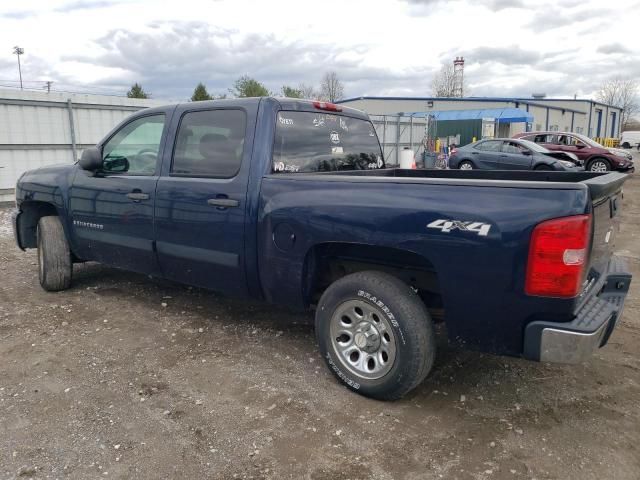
column 398, row 141
column 72, row 130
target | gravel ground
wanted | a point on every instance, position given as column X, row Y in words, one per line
column 123, row 376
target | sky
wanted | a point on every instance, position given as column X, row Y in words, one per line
column 379, row 48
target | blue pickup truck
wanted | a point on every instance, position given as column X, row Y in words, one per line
column 289, row 201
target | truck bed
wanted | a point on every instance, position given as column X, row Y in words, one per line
column 599, row 184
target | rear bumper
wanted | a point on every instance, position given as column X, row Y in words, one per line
column 575, row 341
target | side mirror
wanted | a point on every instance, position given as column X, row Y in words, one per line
column 526, row 152
column 91, row 159
column 580, row 145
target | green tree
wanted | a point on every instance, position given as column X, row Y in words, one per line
column 291, row 92
column 200, row 93
column 248, row 87
column 136, row 91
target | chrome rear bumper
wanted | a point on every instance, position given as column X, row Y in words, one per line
column 575, row 341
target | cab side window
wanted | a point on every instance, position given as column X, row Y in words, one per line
column 209, row 144
column 134, row 148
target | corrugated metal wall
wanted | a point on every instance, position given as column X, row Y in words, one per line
column 467, row 129
column 36, row 128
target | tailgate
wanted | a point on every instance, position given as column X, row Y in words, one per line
column 606, row 198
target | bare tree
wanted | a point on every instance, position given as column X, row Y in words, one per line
column 308, row 91
column 443, row 83
column 331, row 88
column 621, row 93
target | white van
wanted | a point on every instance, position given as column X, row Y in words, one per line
column 630, row 139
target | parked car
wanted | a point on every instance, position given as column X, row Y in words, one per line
column 510, row 154
column 289, row 201
column 630, row 139
column 595, row 157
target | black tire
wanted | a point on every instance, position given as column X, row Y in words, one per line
column 596, row 162
column 468, row 165
column 55, row 267
column 405, row 317
column 626, row 145
column 543, row 167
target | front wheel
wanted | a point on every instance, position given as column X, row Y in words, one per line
column 466, row 165
column 54, row 256
column 599, row 165
column 375, row 334
column 626, row 145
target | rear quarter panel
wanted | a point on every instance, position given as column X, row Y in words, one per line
column 481, row 277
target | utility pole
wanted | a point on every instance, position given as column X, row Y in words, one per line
column 48, row 87
column 19, row 51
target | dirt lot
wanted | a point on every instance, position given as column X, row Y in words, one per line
column 123, row 376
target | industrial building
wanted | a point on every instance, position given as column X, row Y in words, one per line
column 45, row 128
column 422, row 124
column 591, row 118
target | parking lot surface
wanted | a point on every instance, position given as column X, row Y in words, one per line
column 124, row 376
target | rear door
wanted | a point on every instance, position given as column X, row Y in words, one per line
column 515, row 157
column 201, row 197
column 487, row 154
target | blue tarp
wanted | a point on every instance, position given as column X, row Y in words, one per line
column 501, row 115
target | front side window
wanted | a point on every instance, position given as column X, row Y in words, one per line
column 322, row 142
column 134, row 148
column 209, row 144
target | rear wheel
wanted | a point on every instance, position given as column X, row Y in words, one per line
column 54, row 256
column 466, row 165
column 375, row 334
column 599, row 165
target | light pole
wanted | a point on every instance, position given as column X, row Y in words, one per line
column 19, row 51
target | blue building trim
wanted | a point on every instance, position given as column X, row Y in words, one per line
column 476, row 99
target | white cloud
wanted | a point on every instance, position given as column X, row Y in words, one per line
column 389, row 47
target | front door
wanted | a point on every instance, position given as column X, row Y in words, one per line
column 112, row 209
column 201, row 199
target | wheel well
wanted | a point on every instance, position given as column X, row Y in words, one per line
column 32, row 212
column 328, row 262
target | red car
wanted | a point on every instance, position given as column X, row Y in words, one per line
column 596, row 158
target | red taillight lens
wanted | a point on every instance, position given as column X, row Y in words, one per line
column 331, row 107
column 557, row 257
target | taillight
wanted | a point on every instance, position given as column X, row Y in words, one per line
column 558, row 256
column 331, row 107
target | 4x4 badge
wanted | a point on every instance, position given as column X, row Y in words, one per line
column 447, row 226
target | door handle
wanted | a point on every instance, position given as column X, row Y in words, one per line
column 137, row 196
column 223, row 202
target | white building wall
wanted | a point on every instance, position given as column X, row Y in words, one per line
column 35, row 128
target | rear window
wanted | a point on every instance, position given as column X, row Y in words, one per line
column 319, row 142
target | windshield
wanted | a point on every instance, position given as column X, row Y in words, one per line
column 533, row 146
column 321, row 142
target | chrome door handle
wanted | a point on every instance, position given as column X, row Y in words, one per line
column 137, row 196
column 223, row 202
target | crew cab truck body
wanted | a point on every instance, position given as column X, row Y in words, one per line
column 288, row 201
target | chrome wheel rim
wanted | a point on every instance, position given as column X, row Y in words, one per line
column 466, row 166
column 362, row 339
column 598, row 167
